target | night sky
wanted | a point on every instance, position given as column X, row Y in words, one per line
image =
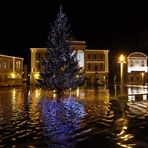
column 113, row 26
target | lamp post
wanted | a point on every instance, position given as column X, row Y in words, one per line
column 121, row 61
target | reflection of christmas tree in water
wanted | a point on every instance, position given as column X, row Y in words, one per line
column 61, row 118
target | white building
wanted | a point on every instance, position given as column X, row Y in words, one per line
column 137, row 68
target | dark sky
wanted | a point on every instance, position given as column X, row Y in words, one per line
column 113, row 26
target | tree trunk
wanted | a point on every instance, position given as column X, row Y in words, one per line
column 59, row 93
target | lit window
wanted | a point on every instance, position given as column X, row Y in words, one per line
column 131, row 63
column 5, row 64
column 18, row 65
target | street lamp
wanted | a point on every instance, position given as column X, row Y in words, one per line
column 121, row 61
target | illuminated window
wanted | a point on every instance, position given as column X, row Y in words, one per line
column 5, row 64
column 18, row 65
column 131, row 63
column 80, row 58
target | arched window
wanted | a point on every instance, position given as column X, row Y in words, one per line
column 5, row 64
column 18, row 65
column 142, row 63
column 131, row 63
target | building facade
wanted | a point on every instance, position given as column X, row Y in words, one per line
column 137, row 70
column 11, row 70
column 93, row 62
column 37, row 53
column 96, row 67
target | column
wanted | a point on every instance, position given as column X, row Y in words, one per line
column 106, row 61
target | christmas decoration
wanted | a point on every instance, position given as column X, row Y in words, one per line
column 61, row 70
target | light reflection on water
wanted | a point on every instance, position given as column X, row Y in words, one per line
column 134, row 91
column 84, row 117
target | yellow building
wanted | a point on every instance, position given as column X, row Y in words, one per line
column 11, row 69
column 94, row 63
column 96, row 66
column 37, row 53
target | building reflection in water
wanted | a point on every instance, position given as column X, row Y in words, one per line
column 16, row 99
column 137, row 109
column 25, row 100
column 135, row 91
column 33, row 108
column 13, row 91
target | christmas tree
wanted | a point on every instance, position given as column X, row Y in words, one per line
column 60, row 68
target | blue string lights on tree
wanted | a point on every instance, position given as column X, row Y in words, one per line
column 61, row 68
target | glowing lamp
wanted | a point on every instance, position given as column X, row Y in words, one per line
column 121, row 61
column 13, row 75
column 36, row 75
column 121, row 58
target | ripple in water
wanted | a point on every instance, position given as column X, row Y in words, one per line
column 82, row 121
